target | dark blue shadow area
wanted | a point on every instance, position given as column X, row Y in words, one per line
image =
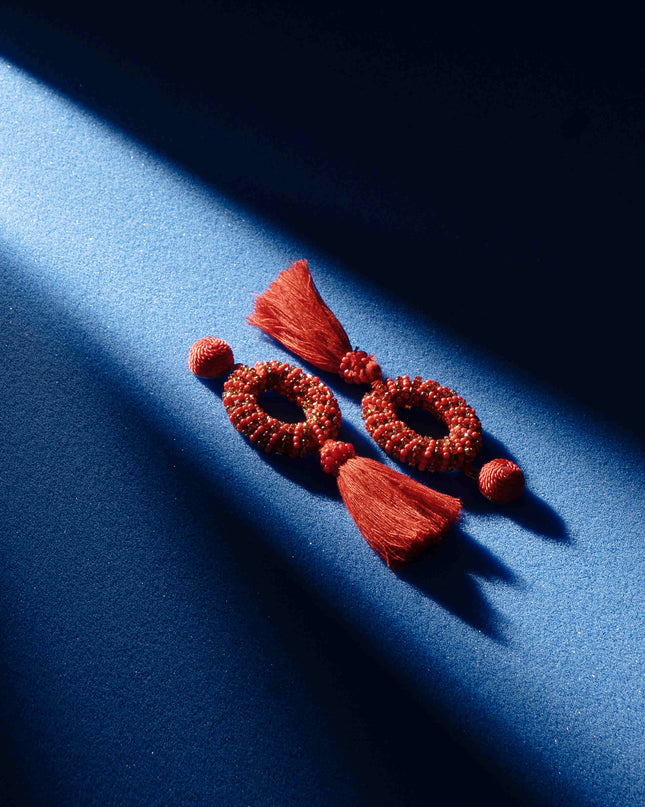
column 486, row 168
column 155, row 647
column 529, row 511
column 449, row 574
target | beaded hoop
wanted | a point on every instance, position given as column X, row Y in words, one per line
column 457, row 450
column 240, row 398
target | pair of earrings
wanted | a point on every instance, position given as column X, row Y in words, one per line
column 398, row 516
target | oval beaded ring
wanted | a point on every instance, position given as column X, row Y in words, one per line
column 457, row 450
column 240, row 398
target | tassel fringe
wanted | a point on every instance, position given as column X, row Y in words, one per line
column 397, row 516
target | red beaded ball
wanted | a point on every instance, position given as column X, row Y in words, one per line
column 501, row 481
column 333, row 454
column 210, row 357
column 357, row 367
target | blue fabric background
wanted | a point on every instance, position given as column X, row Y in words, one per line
column 187, row 621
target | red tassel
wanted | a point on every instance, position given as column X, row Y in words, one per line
column 292, row 311
column 398, row 517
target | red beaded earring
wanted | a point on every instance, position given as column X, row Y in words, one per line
column 397, row 516
column 292, row 311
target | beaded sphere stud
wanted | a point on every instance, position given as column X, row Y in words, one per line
column 210, row 357
column 501, row 481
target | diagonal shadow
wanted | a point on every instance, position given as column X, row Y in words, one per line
column 446, row 574
column 389, row 744
column 529, row 511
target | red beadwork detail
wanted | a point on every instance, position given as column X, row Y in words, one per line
column 210, row 357
column 333, row 454
column 464, row 438
column 245, row 384
column 357, row 367
column 501, row 481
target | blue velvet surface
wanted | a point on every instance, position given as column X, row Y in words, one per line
column 187, row 621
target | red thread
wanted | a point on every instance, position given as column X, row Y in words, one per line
column 210, row 357
column 292, row 311
column 501, row 481
column 398, row 517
